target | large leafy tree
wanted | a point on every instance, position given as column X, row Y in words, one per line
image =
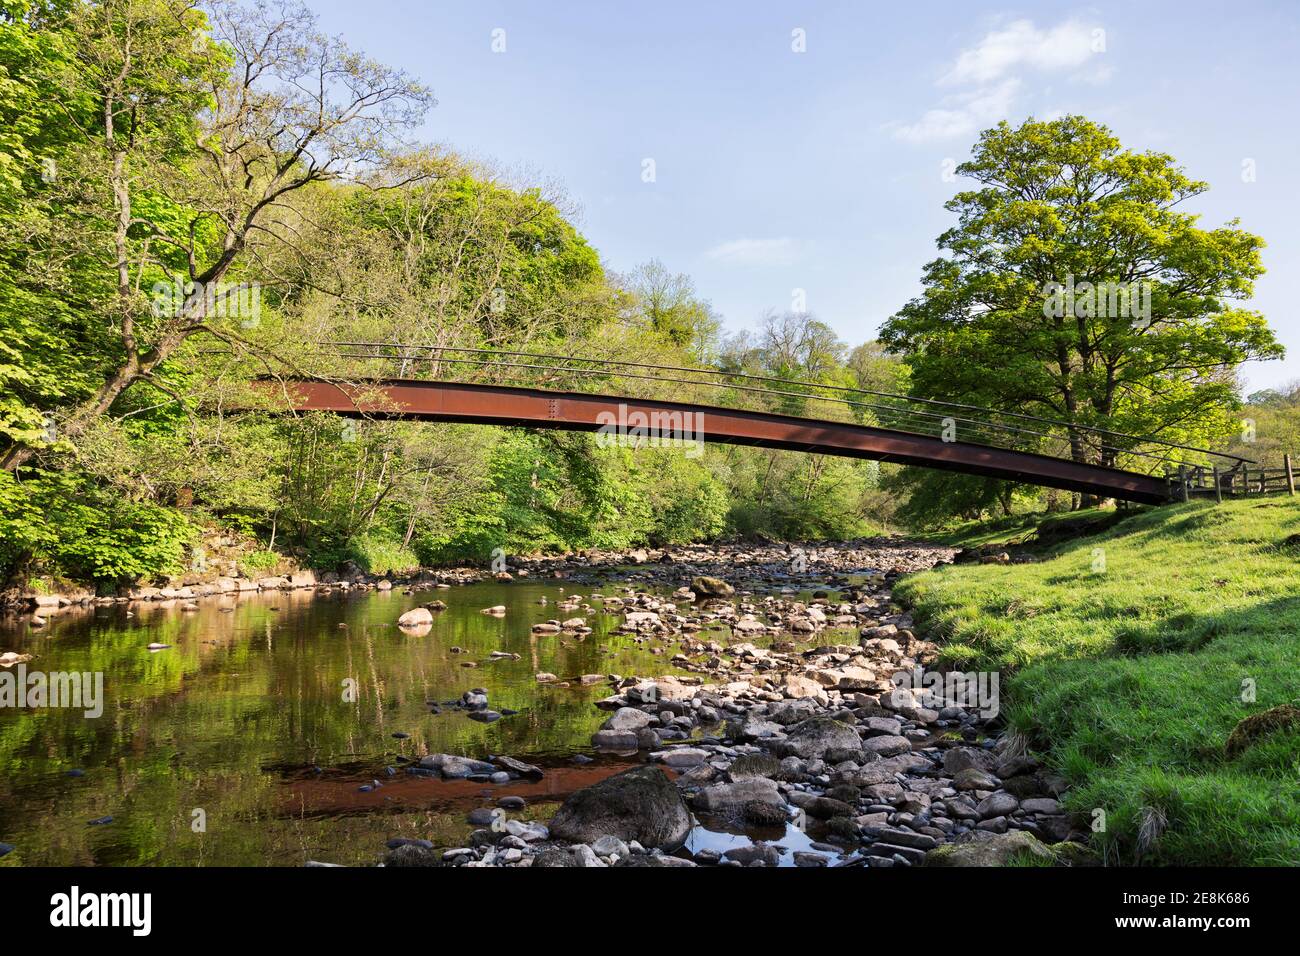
column 185, row 142
column 1056, row 205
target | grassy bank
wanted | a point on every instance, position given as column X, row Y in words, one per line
column 1124, row 658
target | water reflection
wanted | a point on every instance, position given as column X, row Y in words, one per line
column 248, row 718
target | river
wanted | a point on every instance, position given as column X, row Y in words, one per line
column 241, row 745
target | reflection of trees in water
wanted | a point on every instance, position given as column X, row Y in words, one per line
column 219, row 720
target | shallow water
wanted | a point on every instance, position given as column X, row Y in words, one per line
column 244, row 718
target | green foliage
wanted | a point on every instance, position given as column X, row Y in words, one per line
column 789, row 496
column 86, row 532
column 1061, row 203
column 378, row 554
column 260, row 562
column 1269, row 427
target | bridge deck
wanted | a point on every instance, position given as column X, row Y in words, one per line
column 578, row 411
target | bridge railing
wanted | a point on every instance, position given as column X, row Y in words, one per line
column 953, row 421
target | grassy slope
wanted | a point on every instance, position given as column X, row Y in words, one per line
column 1130, row 678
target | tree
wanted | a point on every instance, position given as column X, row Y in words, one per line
column 669, row 304
column 1074, row 287
column 192, row 143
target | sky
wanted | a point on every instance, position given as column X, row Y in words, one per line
column 774, row 150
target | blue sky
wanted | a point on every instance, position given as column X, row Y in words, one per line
column 824, row 170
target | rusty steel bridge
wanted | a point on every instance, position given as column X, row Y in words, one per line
column 546, row 390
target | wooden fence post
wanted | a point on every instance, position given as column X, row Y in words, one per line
column 1290, row 477
column 1218, row 490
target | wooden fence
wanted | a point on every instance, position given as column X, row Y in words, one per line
column 1239, row 482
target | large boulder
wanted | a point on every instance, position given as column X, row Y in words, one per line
column 887, row 745
column 639, row 804
column 815, row 736
column 981, row 848
column 705, row 586
column 967, row 758
column 627, row 719
column 416, row 617
column 752, row 726
column 732, row 797
column 455, row 767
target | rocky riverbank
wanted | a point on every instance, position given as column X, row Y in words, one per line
column 810, row 715
column 222, row 575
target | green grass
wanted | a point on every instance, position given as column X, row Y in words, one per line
column 1123, row 658
column 970, row 534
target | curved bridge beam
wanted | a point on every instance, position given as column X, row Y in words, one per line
column 578, row 411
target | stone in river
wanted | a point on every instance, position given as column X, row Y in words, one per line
column 822, row 808
column 763, row 814
column 412, row 854
column 512, row 803
column 996, row 805
column 973, row 778
column 759, row 853
column 157, row 647
column 754, row 765
column 640, row 804
column 1040, row 805
column 815, row 736
column 627, row 719
column 978, row 848
column 966, row 758
column 681, row 758
column 6, row 848
column 804, row 858
column 610, row 846
column 394, row 843
column 484, row 716
column 614, row 740
column 883, row 726
column 753, row 727
column 100, row 821
column 519, row 767
column 415, row 617
column 555, row 857
column 733, row 796
column 918, row 841
column 887, row 745
column 712, row 587
column 453, row 766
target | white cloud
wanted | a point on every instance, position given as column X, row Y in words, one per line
column 1059, row 49
column 987, row 76
column 764, row 252
column 962, row 115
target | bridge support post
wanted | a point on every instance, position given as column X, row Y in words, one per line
column 1182, row 481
